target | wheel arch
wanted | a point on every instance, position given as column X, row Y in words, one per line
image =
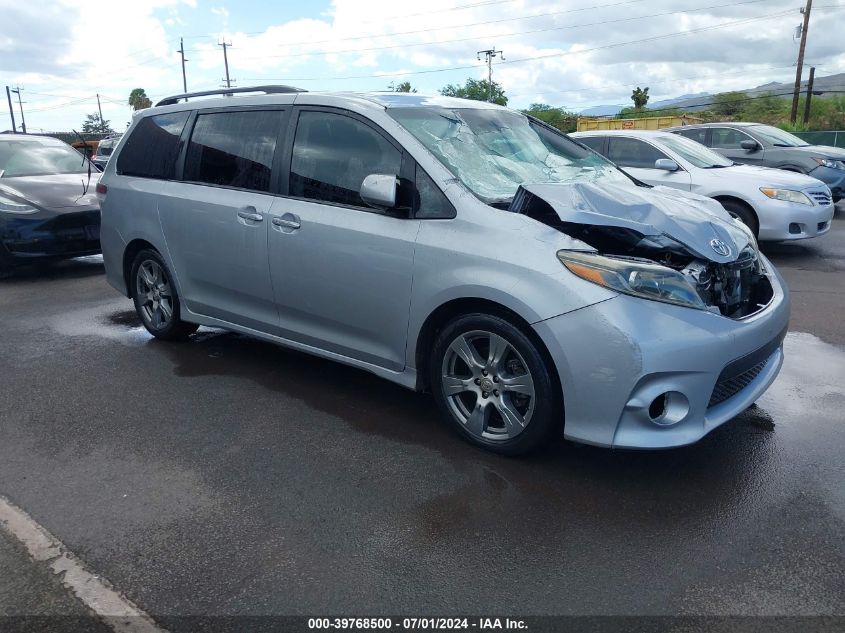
column 129, row 253
column 722, row 198
column 450, row 310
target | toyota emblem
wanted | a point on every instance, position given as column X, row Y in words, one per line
column 720, row 247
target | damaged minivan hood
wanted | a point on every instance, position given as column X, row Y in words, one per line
column 699, row 224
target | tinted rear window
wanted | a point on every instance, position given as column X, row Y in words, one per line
column 233, row 149
column 153, row 147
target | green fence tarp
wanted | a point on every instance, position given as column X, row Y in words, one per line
column 835, row 138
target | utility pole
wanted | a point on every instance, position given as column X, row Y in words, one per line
column 100, row 108
column 20, row 105
column 226, row 44
column 489, row 54
column 11, row 110
column 181, row 51
column 809, row 95
column 806, row 11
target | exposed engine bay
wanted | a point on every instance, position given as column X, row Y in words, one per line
column 730, row 281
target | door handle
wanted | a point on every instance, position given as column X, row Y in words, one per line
column 249, row 213
column 289, row 222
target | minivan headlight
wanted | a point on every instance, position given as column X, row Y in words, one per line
column 639, row 279
column 7, row 205
column 787, row 195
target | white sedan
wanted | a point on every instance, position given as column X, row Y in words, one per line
column 775, row 204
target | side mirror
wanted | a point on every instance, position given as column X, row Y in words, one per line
column 666, row 164
column 379, row 190
column 750, row 145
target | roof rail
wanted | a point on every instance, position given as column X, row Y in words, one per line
column 229, row 91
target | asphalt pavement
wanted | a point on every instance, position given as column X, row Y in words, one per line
column 229, row 476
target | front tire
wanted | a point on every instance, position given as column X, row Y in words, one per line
column 156, row 299
column 491, row 381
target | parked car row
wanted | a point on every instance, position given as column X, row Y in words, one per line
column 533, row 285
column 775, row 204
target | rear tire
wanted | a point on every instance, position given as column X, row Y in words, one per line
column 492, row 383
column 156, row 299
column 742, row 213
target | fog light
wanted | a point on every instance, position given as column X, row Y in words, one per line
column 668, row 408
column 794, row 228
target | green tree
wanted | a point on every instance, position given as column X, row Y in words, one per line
column 139, row 100
column 729, row 104
column 94, row 125
column 557, row 117
column 404, row 86
column 765, row 108
column 476, row 89
column 640, row 97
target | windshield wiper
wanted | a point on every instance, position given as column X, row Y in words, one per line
column 784, row 145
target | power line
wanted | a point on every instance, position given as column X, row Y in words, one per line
column 535, row 57
column 501, row 35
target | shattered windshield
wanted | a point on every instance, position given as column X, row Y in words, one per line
column 494, row 151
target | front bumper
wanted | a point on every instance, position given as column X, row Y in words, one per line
column 782, row 221
column 48, row 233
column 616, row 358
column 833, row 178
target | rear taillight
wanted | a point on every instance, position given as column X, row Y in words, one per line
column 101, row 188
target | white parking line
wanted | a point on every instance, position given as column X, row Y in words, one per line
column 94, row 591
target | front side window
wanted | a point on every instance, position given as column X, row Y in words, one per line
column 430, row 202
column 333, row 153
column 632, row 152
column 39, row 158
column 233, row 149
column 728, row 138
column 492, row 152
column 153, row 147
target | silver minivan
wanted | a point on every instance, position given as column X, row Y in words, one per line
column 451, row 246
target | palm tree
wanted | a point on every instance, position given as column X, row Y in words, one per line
column 640, row 97
column 139, row 100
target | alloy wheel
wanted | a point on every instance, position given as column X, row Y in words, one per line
column 155, row 298
column 487, row 385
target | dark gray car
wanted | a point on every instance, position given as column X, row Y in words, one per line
column 768, row 146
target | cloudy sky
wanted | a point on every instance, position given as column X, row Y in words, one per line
column 574, row 53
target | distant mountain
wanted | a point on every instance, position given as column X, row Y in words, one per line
column 702, row 100
column 783, row 90
column 602, row 110
column 670, row 103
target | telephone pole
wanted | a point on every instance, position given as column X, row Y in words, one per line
column 181, row 51
column 20, row 105
column 11, row 110
column 809, row 94
column 806, row 11
column 489, row 54
column 100, row 108
column 226, row 44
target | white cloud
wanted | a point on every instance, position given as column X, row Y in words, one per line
column 557, row 52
